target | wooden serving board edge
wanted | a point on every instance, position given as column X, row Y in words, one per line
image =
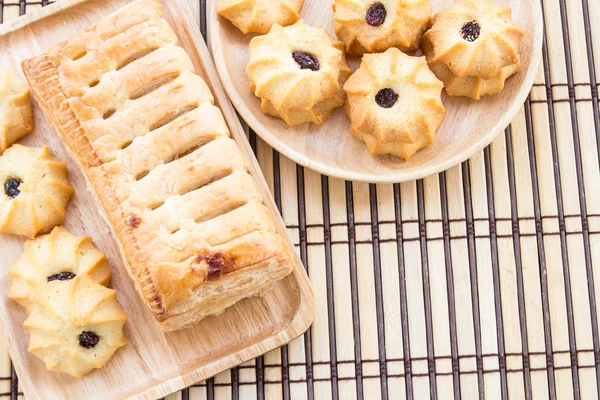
column 306, row 309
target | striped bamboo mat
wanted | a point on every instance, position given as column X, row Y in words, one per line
column 480, row 282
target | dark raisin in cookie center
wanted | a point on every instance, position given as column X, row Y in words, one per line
column 61, row 276
column 11, row 187
column 88, row 339
column 376, row 14
column 306, row 60
column 470, row 31
column 386, row 98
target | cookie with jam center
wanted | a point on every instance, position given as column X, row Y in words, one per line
column 35, row 191
column 58, row 256
column 473, row 47
column 394, row 103
column 75, row 325
column 373, row 26
column 298, row 72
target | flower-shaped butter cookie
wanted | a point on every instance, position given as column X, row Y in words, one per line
column 16, row 117
column 34, row 192
column 394, row 103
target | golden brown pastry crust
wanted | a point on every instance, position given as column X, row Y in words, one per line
column 174, row 187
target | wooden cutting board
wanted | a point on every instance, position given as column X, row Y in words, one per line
column 153, row 364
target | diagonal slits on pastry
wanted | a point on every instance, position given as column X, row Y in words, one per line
column 169, row 143
column 190, row 221
column 91, row 57
column 187, row 174
column 138, row 78
column 140, row 116
column 209, row 201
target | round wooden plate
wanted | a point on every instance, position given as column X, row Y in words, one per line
column 468, row 127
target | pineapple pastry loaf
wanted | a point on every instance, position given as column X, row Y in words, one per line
column 194, row 233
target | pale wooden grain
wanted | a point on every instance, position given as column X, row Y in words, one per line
column 153, row 364
column 330, row 149
column 571, row 205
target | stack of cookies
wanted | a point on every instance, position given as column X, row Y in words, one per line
column 394, row 99
column 75, row 321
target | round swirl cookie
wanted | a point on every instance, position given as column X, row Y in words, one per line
column 298, row 72
column 58, row 256
column 368, row 26
column 16, row 117
column 76, row 325
column 473, row 47
column 259, row 15
column 35, row 191
column 394, row 103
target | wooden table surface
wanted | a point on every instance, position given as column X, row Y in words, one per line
column 480, row 282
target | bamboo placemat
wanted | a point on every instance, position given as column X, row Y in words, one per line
column 480, row 282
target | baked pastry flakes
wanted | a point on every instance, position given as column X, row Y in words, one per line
column 298, row 72
column 394, row 103
column 58, row 256
column 368, row 26
column 76, row 325
column 259, row 15
column 473, row 47
column 35, row 191
column 16, row 117
column 193, row 231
